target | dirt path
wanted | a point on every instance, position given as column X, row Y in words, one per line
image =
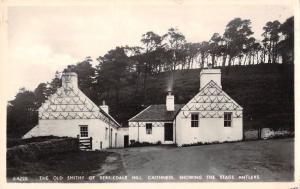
column 271, row 160
column 113, row 165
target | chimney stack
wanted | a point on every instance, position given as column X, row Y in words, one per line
column 69, row 79
column 170, row 101
column 208, row 74
column 104, row 107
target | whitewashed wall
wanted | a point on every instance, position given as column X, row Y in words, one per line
column 122, row 131
column 158, row 132
column 209, row 130
column 70, row 128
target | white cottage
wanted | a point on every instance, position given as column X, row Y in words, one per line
column 210, row 116
column 69, row 112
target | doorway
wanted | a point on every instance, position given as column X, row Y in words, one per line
column 126, row 141
column 110, row 138
column 168, row 131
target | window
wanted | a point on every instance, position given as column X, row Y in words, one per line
column 84, row 131
column 149, row 128
column 194, row 120
column 227, row 119
column 106, row 132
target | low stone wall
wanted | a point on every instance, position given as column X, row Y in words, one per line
column 251, row 135
column 35, row 150
column 267, row 133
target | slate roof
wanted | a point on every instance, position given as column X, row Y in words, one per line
column 157, row 112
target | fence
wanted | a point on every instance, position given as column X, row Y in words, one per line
column 85, row 143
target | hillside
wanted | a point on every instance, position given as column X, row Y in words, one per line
column 265, row 91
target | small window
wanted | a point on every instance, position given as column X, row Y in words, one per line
column 84, row 131
column 106, row 132
column 149, row 128
column 227, row 119
column 194, row 120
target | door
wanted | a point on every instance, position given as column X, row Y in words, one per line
column 126, row 141
column 168, row 131
column 116, row 136
column 110, row 138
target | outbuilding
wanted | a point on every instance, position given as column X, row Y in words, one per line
column 210, row 116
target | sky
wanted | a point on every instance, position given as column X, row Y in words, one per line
column 45, row 39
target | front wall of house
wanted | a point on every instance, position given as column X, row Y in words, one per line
column 209, row 130
column 123, row 131
column 70, row 128
column 137, row 132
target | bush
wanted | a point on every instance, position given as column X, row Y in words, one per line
column 35, row 150
column 19, row 141
column 207, row 143
column 141, row 144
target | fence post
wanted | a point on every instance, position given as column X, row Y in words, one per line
column 78, row 142
column 91, row 142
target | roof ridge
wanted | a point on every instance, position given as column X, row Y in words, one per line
column 156, row 113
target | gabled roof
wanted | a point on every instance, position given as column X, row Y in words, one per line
column 211, row 101
column 72, row 103
column 157, row 112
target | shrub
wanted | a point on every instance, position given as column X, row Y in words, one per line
column 36, row 150
column 141, row 144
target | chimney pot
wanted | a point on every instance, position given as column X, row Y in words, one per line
column 69, row 80
column 104, row 107
column 170, row 102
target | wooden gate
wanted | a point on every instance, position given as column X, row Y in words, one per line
column 85, row 143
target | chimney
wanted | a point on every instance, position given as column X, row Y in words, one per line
column 208, row 74
column 69, row 79
column 170, row 101
column 104, row 107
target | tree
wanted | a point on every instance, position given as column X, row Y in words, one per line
column 41, row 93
column 86, row 76
column 21, row 113
column 236, row 35
column 203, row 51
column 248, row 51
column 113, row 72
column 191, row 50
column 151, row 42
column 286, row 46
column 174, row 43
column 214, row 48
column 54, row 84
column 271, row 38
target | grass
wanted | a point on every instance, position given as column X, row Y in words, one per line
column 265, row 91
column 65, row 164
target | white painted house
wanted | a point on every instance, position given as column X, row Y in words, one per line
column 69, row 112
column 210, row 116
